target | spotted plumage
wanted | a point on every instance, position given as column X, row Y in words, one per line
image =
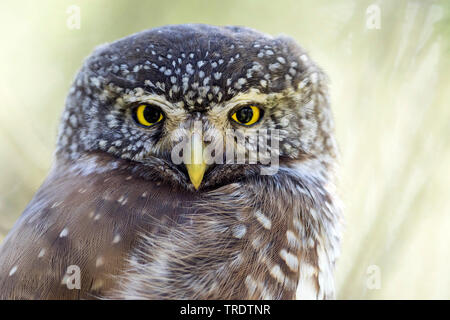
column 135, row 223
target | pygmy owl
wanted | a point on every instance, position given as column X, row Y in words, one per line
column 118, row 212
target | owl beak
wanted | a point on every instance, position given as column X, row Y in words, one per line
column 196, row 167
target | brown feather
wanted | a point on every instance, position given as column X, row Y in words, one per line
column 102, row 213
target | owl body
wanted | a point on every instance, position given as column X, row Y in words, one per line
column 138, row 225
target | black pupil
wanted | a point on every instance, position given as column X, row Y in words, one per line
column 244, row 115
column 151, row 114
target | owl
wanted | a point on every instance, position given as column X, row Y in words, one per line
column 135, row 208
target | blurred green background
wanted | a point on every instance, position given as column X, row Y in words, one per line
column 389, row 90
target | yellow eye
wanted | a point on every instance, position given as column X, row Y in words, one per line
column 147, row 115
column 247, row 115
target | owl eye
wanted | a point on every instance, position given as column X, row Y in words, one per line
column 247, row 115
column 147, row 115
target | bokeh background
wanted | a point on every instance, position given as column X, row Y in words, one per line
column 390, row 90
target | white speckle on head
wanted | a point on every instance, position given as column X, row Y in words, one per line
column 217, row 75
column 12, row 271
column 64, row 233
column 189, row 69
column 290, row 259
column 149, row 83
column 97, row 217
column 41, row 253
column 240, row 83
column 215, row 89
column 264, row 220
column 239, row 231
column 144, row 194
column 73, row 120
column 274, row 66
column 281, row 60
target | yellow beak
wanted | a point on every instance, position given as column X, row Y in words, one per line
column 196, row 167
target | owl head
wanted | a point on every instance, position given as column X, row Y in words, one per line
column 142, row 97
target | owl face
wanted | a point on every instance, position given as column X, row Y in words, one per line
column 142, row 97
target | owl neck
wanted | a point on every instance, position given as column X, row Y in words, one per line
column 271, row 237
